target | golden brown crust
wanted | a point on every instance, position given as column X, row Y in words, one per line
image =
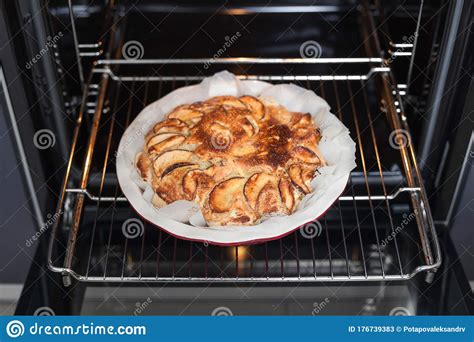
column 143, row 165
column 240, row 159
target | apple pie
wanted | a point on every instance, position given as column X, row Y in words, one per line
column 240, row 159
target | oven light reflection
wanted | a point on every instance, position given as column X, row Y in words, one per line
column 241, row 252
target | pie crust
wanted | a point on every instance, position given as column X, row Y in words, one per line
column 240, row 159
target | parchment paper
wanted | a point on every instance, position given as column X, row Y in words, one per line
column 183, row 218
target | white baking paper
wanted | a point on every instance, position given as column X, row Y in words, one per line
column 183, row 218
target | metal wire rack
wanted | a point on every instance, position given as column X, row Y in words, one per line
column 379, row 229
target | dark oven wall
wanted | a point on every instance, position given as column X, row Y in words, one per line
column 26, row 174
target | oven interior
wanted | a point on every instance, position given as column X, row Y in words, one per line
column 380, row 229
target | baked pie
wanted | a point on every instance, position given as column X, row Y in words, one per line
column 240, row 159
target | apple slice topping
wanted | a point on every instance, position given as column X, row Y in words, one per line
column 174, row 167
column 228, row 101
column 254, row 186
column 250, row 126
column 305, row 120
column 256, row 107
column 268, row 200
column 157, row 138
column 254, row 124
column 143, row 163
column 170, row 126
column 287, row 194
column 168, row 158
column 195, row 182
column 184, row 113
column 243, row 150
column 295, row 172
column 190, row 183
column 240, row 159
column 305, row 154
column 224, row 194
column 157, row 201
column 166, row 187
column 162, row 142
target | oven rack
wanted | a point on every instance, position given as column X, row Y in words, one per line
column 380, row 229
column 390, row 196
